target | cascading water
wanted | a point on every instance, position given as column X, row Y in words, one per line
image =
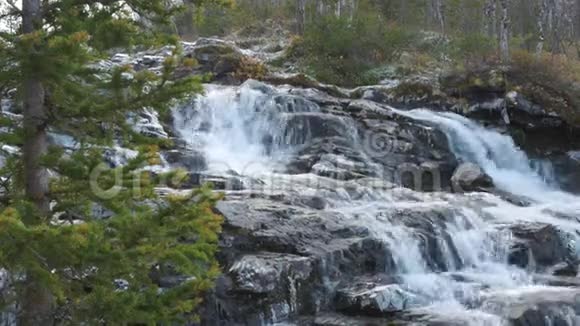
column 455, row 266
column 242, row 129
column 496, row 154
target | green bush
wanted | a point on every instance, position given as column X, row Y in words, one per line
column 341, row 51
column 473, row 48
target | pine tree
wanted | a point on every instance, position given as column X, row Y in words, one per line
column 108, row 270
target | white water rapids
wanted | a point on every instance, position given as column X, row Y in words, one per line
column 246, row 130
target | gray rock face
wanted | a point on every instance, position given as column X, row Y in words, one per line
column 530, row 116
column 470, row 177
column 302, row 245
column 263, row 274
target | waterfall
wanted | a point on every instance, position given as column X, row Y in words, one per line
column 450, row 251
column 243, row 129
column 497, row 155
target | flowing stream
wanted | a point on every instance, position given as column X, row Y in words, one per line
column 254, row 132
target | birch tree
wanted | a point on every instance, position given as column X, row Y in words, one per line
column 543, row 13
column 504, row 32
column 300, row 16
column 490, row 20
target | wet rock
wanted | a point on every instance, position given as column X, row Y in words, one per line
column 545, row 245
column 224, row 182
column 304, row 127
column 493, row 110
column 516, row 200
column 339, row 168
column 119, row 156
column 425, row 177
column 335, row 319
column 470, row 177
column 333, row 157
column 520, row 255
column 265, row 273
column 530, row 116
column 372, row 299
column 369, row 109
column 314, row 202
column 537, row 306
column 191, row 160
column 147, row 123
column 544, row 316
column 564, row 269
column 566, row 167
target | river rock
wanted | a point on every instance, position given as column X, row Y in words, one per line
column 470, row 177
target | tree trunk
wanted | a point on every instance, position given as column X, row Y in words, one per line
column 345, row 8
column 439, row 13
column 300, row 16
column 504, row 35
column 36, row 303
column 35, row 119
column 403, row 12
column 490, row 21
column 320, row 8
column 541, row 21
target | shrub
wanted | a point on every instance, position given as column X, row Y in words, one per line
column 473, row 48
column 250, row 68
column 550, row 81
column 340, row 51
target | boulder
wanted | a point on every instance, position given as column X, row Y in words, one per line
column 545, row 246
column 191, row 160
column 469, row 177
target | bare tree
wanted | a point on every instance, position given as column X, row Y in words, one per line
column 504, row 32
column 345, row 8
column 438, row 11
column 320, row 8
column 543, row 12
column 490, row 20
column 300, row 16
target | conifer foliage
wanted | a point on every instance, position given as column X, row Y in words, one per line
column 95, row 271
